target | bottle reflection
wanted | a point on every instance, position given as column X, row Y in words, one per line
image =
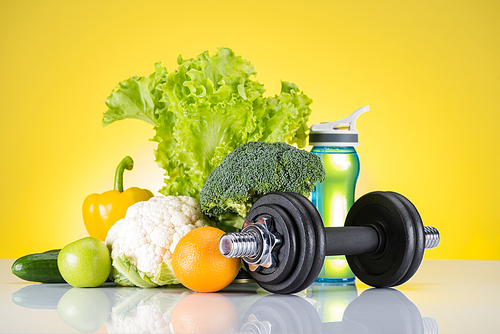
column 331, row 309
column 319, row 309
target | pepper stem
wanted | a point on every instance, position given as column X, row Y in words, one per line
column 127, row 163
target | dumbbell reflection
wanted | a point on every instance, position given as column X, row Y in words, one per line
column 374, row 311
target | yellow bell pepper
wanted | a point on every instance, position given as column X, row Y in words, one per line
column 101, row 211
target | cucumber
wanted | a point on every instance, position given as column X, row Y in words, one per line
column 40, row 267
column 55, row 251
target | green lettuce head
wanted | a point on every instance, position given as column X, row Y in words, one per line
column 205, row 109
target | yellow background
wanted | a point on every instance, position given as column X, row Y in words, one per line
column 428, row 69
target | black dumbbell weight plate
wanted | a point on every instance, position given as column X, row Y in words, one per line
column 394, row 222
column 297, row 217
column 319, row 230
column 419, row 238
column 285, row 254
column 291, row 256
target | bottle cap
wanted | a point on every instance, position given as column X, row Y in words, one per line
column 337, row 133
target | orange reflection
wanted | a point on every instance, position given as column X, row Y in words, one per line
column 205, row 313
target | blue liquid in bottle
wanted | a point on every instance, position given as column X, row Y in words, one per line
column 333, row 198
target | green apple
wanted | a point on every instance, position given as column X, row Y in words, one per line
column 85, row 263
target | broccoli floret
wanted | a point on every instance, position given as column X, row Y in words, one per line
column 255, row 169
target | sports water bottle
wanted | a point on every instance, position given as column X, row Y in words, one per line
column 334, row 143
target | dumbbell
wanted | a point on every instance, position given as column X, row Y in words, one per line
column 283, row 242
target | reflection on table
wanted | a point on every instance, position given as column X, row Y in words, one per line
column 243, row 308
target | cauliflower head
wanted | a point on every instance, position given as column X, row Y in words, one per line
column 142, row 243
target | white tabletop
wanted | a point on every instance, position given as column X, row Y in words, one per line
column 444, row 297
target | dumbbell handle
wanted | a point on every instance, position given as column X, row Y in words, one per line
column 351, row 240
column 355, row 240
column 347, row 240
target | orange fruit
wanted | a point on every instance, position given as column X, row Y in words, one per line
column 205, row 313
column 198, row 264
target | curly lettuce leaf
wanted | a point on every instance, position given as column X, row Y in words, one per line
column 286, row 116
column 136, row 97
column 204, row 110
